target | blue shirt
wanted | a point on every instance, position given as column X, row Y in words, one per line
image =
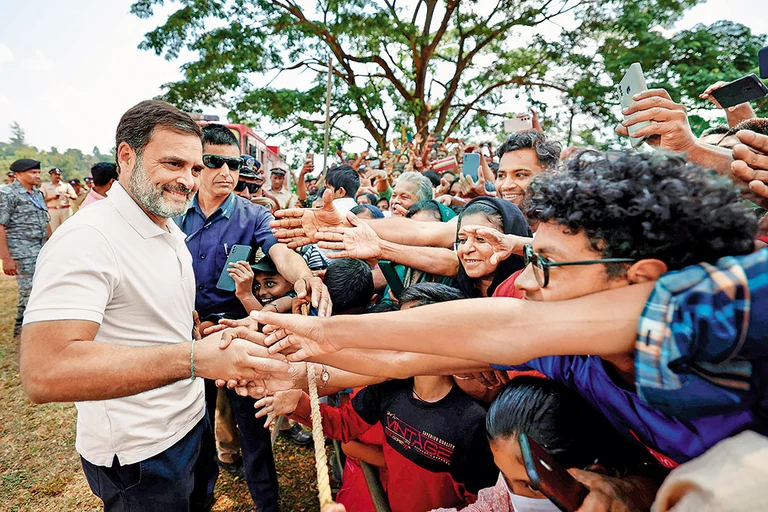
column 236, row 221
column 671, row 439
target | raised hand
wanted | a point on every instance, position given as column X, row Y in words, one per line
column 359, row 242
column 736, row 113
column 281, row 403
column 751, row 161
column 503, row 245
column 669, row 128
column 470, row 188
column 242, row 274
column 298, row 226
column 319, row 293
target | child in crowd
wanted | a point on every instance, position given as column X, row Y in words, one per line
column 436, row 451
column 261, row 285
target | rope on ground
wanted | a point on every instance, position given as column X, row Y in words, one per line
column 321, row 461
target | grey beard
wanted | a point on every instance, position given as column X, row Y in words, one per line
column 151, row 197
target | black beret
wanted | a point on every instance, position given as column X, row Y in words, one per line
column 25, row 164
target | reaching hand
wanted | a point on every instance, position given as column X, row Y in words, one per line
column 443, row 188
column 298, row 226
column 535, row 123
column 503, row 245
column 359, row 242
column 308, row 167
column 321, row 298
column 286, row 332
column 238, row 360
column 281, row 403
column 242, row 274
column 669, row 128
column 469, row 188
column 751, row 161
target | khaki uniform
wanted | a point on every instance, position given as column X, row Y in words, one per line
column 25, row 217
column 59, row 208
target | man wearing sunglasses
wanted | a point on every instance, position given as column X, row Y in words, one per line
column 216, row 221
column 609, row 223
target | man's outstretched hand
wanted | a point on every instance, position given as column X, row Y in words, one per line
column 359, row 241
column 298, row 227
column 299, row 337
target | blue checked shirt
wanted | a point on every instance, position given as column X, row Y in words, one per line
column 702, row 341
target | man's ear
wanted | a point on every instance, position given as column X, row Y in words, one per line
column 646, row 271
column 340, row 192
column 126, row 157
column 374, row 299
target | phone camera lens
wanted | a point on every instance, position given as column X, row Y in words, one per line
column 629, row 88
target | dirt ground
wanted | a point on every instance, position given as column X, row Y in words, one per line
column 40, row 469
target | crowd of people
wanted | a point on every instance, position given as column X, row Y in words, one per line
column 597, row 311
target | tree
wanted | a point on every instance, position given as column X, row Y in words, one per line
column 442, row 66
column 18, row 137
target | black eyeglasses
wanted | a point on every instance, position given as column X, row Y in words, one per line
column 541, row 265
column 217, row 162
column 242, row 185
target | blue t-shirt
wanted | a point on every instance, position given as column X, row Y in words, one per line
column 670, row 439
column 236, row 222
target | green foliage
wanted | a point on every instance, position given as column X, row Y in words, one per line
column 74, row 164
column 441, row 66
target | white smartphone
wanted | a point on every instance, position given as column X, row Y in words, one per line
column 633, row 83
column 519, row 123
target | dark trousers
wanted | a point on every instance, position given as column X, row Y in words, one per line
column 255, row 443
column 171, row 481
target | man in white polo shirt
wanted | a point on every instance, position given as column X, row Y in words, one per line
column 113, row 331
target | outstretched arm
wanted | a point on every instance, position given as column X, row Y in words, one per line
column 490, row 330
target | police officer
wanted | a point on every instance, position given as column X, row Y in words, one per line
column 24, row 228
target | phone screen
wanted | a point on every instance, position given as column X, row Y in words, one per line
column 471, row 165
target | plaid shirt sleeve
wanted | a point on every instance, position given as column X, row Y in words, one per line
column 700, row 335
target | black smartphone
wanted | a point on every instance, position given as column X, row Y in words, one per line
column 763, row 58
column 236, row 253
column 740, row 91
column 393, row 280
column 549, row 477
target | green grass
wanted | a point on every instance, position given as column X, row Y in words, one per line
column 40, row 469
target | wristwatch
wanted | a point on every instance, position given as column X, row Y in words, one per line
column 324, row 378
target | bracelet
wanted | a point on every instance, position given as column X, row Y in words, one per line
column 192, row 361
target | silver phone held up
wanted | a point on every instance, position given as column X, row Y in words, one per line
column 633, row 83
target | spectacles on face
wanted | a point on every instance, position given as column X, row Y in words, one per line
column 541, row 265
column 242, row 185
column 217, row 162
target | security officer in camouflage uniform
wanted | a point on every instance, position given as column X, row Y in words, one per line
column 24, row 228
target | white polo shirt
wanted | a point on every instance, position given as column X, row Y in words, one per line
column 112, row 265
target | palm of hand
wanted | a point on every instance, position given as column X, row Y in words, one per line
column 362, row 243
column 314, row 219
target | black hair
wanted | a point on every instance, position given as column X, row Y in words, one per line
column 561, row 422
column 370, row 209
column 138, row 124
column 756, row 124
column 645, row 205
column 432, row 176
column 371, row 197
column 350, row 285
column 344, row 176
column 382, row 199
column 547, row 151
column 429, row 293
column 425, row 206
column 219, row 135
column 718, row 129
column 103, row 172
column 507, row 218
column 384, row 307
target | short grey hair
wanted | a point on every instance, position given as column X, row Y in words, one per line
column 423, row 185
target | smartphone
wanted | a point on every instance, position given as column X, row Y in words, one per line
column 746, row 88
column 762, row 56
column 551, row 478
column 374, row 164
column 519, row 123
column 471, row 165
column 393, row 280
column 633, row 83
column 311, row 157
column 236, row 253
